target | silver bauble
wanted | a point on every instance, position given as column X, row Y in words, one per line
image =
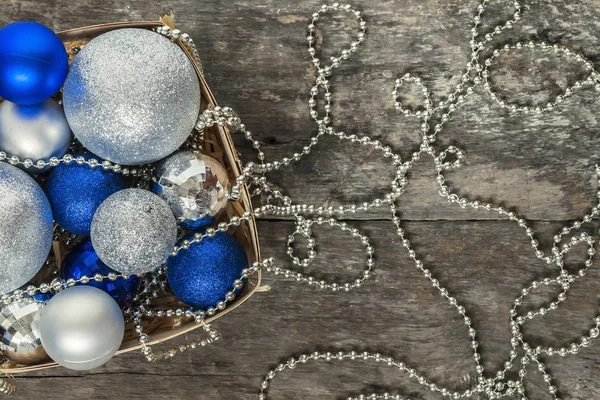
column 133, row 231
column 25, row 228
column 131, row 96
column 193, row 185
column 81, row 327
column 35, row 132
column 19, row 332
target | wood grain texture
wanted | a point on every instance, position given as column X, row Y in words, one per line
column 255, row 60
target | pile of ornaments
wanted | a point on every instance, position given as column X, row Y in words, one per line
column 130, row 97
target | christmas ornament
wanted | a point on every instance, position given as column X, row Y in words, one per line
column 202, row 274
column 33, row 63
column 81, row 327
column 35, row 132
column 19, row 331
column 133, row 231
column 194, row 186
column 82, row 260
column 25, row 228
column 75, row 191
column 198, row 225
column 131, row 96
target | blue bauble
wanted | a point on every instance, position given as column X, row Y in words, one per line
column 33, row 63
column 202, row 274
column 197, row 225
column 75, row 191
column 83, row 260
column 42, row 297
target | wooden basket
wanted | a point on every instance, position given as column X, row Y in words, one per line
column 217, row 143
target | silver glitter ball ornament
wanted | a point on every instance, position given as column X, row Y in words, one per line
column 131, row 96
column 133, row 231
column 193, row 185
column 35, row 132
column 19, row 332
column 25, row 228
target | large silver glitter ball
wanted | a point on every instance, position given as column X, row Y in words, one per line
column 193, row 185
column 35, row 132
column 19, row 332
column 25, row 228
column 131, row 96
column 133, row 231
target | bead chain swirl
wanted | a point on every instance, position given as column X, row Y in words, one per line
column 476, row 73
column 498, row 386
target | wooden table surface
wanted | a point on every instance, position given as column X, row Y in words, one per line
column 255, row 59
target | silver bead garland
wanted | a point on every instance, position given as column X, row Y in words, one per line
column 476, row 73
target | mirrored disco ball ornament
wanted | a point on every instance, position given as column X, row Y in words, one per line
column 19, row 332
column 25, row 228
column 194, row 186
column 131, row 96
column 133, row 231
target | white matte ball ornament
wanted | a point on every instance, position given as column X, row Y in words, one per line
column 132, row 96
column 134, row 231
column 81, row 327
column 25, row 228
column 35, row 132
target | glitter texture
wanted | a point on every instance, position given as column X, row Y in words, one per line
column 133, row 231
column 25, row 228
column 20, row 336
column 202, row 274
column 193, row 186
column 131, row 96
column 75, row 192
column 83, row 260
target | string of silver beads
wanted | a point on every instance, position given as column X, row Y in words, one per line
column 69, row 158
column 183, row 39
column 592, row 80
column 492, row 387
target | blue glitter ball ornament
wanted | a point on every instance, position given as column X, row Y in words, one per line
column 75, row 191
column 197, row 225
column 83, row 260
column 33, row 63
column 202, row 274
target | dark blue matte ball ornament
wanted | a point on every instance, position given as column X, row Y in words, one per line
column 75, row 191
column 83, row 260
column 33, row 63
column 202, row 274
